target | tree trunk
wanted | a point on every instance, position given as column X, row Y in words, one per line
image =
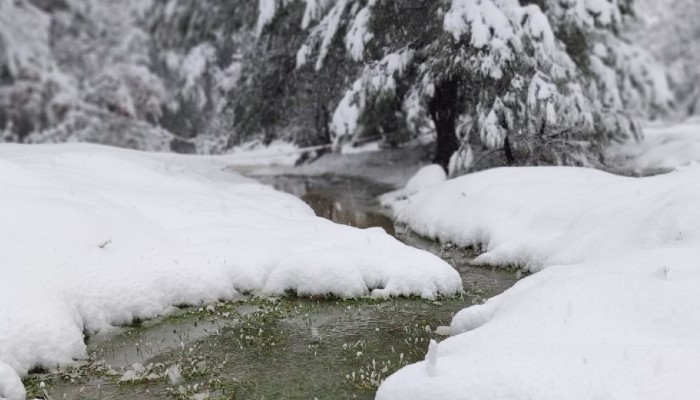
column 443, row 110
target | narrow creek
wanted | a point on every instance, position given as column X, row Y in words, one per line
column 286, row 348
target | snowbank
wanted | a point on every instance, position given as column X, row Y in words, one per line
column 425, row 178
column 613, row 312
column 664, row 148
column 256, row 154
column 93, row 236
column 538, row 217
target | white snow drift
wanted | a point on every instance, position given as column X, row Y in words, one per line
column 664, row 148
column 613, row 312
column 92, row 237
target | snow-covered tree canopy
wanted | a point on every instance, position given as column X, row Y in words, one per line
column 543, row 81
column 670, row 30
column 78, row 70
column 495, row 81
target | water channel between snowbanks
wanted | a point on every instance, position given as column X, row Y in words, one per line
column 285, row 348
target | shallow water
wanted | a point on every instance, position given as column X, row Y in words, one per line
column 286, row 348
column 347, row 201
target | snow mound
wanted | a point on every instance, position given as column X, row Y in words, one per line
column 612, row 314
column 93, row 236
column 664, row 148
column 426, row 177
column 542, row 216
column 257, row 154
column 10, row 385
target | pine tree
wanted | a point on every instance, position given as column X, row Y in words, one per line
column 80, row 73
column 670, row 31
column 496, row 82
column 492, row 77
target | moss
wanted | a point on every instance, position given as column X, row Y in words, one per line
column 35, row 386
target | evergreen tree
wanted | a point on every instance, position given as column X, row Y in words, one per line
column 493, row 77
column 670, row 30
column 78, row 70
column 495, row 82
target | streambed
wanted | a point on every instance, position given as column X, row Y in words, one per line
column 287, row 348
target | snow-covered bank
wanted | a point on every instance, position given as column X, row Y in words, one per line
column 543, row 216
column 393, row 166
column 93, row 236
column 664, row 148
column 613, row 312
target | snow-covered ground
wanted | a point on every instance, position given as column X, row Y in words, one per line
column 392, row 166
column 93, row 237
column 612, row 312
column 664, row 148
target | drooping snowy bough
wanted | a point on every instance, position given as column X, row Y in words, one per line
column 94, row 237
column 611, row 311
column 669, row 30
column 525, row 82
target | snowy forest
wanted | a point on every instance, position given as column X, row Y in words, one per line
column 336, row 199
column 547, row 82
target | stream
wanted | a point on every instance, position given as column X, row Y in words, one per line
column 287, row 348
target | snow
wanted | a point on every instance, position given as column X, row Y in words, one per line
column 496, row 26
column 426, row 177
column 605, row 12
column 539, row 217
column 255, row 153
column 489, row 28
column 537, row 25
column 266, row 12
column 482, row 19
column 314, row 10
column 391, row 167
column 303, row 55
column 329, row 27
column 24, row 35
column 72, row 81
column 10, row 385
column 94, row 237
column 641, row 71
column 377, row 77
column 174, row 374
column 574, row 332
column 664, row 148
column 359, row 35
column 669, row 30
column 347, row 113
column 359, row 147
column 611, row 311
column 193, row 68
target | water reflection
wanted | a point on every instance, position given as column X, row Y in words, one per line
column 334, row 210
column 347, row 201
